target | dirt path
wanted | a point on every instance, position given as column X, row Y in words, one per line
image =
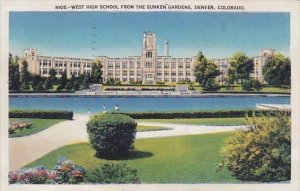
column 23, row 150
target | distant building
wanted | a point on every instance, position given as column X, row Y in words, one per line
column 149, row 68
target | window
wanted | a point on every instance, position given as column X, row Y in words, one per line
column 148, row 64
column 158, row 64
column 158, row 73
column 173, row 79
column 180, row 65
column 173, row 73
column 148, row 54
column 166, row 73
column 187, row 65
column 166, row 65
column 124, row 64
column 187, row 73
column 139, row 72
column 45, row 72
column 131, row 64
column 131, row 72
column 110, row 65
column 139, row 64
column 180, row 73
column 110, row 74
column 117, row 65
column 173, row 65
column 124, row 73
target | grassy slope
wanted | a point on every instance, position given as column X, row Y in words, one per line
column 182, row 159
column 37, row 126
column 200, row 121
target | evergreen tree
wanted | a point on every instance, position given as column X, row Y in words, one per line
column 24, row 76
column 14, row 74
column 96, row 75
column 63, row 79
column 52, row 75
column 85, row 82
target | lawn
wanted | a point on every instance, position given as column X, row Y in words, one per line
column 200, row 121
column 37, row 126
column 181, row 159
column 141, row 128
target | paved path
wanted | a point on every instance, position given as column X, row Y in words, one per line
column 23, row 150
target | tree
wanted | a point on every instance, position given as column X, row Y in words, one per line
column 76, row 85
column 52, row 75
column 277, row 70
column 36, row 79
column 205, row 73
column 14, row 74
column 69, row 86
column 240, row 67
column 48, row 84
column 24, row 76
column 262, row 151
column 96, row 75
column 85, row 82
column 63, row 79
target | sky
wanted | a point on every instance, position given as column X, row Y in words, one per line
column 120, row 34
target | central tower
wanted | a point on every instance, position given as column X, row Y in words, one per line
column 149, row 57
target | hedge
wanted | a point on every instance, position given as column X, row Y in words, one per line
column 198, row 114
column 43, row 114
column 42, row 91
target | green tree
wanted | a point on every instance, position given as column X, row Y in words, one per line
column 48, row 84
column 205, row 73
column 86, row 82
column 76, row 85
column 63, row 79
column 262, row 151
column 14, row 74
column 52, row 75
column 277, row 70
column 24, row 76
column 240, row 67
column 96, row 75
column 36, row 79
column 69, row 86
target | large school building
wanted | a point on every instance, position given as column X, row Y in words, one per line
column 148, row 68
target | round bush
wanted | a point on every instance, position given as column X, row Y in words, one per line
column 111, row 135
column 262, row 152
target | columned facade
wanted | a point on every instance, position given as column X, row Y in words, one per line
column 148, row 68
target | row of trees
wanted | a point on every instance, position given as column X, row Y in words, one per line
column 21, row 79
column 276, row 71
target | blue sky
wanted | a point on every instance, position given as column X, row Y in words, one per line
column 119, row 34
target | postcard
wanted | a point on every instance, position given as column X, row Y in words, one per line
column 162, row 95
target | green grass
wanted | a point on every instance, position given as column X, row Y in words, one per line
column 141, row 128
column 37, row 126
column 181, row 159
column 200, row 121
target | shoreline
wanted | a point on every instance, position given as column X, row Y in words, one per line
column 202, row 95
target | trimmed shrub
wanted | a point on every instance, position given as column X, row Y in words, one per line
column 197, row 114
column 114, row 173
column 43, row 114
column 262, row 152
column 111, row 135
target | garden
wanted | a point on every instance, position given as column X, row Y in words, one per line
column 259, row 153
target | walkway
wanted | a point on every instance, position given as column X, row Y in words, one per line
column 23, row 150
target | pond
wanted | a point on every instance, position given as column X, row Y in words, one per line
column 95, row 104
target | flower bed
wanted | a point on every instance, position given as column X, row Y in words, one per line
column 66, row 172
column 19, row 125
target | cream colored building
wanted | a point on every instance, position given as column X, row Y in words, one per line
column 149, row 68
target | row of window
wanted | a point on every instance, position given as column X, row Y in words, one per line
column 180, row 73
column 63, row 63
